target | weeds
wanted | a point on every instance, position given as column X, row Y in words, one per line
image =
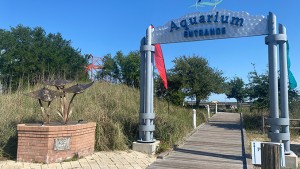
column 74, row 158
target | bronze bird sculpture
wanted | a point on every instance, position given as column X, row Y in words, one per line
column 78, row 88
column 45, row 95
column 66, row 110
column 59, row 83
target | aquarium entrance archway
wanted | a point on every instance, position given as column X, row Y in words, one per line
column 210, row 26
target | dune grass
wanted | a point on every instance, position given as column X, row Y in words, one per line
column 115, row 109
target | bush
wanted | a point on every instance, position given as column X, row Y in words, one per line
column 294, row 109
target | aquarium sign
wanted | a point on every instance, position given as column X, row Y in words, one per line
column 210, row 25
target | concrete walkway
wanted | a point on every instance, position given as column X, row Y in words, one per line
column 218, row 144
column 106, row 160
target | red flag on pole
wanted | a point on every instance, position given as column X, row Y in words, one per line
column 160, row 64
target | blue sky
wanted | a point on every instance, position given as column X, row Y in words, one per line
column 100, row 27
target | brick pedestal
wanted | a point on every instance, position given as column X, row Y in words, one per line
column 54, row 143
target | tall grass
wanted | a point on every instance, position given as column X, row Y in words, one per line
column 115, row 109
column 253, row 123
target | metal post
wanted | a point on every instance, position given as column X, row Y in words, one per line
column 148, row 81
column 216, row 107
column 273, row 77
column 208, row 111
column 142, row 87
column 284, row 88
column 152, row 85
column 147, row 127
column 194, row 118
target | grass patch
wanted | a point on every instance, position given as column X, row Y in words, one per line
column 115, row 109
column 253, row 126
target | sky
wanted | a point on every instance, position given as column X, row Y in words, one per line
column 99, row 27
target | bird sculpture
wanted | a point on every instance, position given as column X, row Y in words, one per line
column 66, row 110
column 58, row 83
column 45, row 95
column 78, row 88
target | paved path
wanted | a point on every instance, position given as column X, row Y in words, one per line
column 99, row 160
column 218, row 144
column 215, row 145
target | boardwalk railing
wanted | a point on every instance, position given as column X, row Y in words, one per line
column 294, row 124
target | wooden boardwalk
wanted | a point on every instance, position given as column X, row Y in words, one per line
column 218, row 144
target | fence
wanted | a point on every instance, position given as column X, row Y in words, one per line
column 294, row 124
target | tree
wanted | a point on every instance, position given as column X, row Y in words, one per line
column 236, row 89
column 32, row 56
column 258, row 90
column 293, row 95
column 174, row 93
column 110, row 69
column 197, row 78
column 130, row 68
column 294, row 104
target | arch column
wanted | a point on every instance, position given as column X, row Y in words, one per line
column 279, row 122
column 147, row 115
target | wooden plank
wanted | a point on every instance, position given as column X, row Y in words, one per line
column 216, row 145
column 270, row 154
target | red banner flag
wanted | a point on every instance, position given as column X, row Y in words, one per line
column 160, row 64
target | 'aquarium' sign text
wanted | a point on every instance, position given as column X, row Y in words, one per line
column 210, row 25
column 206, row 19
